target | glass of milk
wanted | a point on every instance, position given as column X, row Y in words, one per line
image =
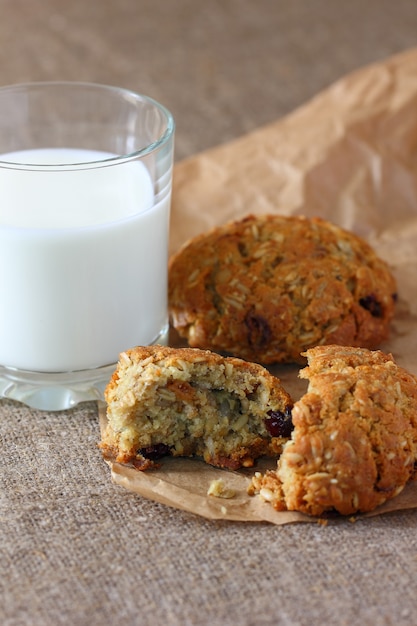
column 85, row 187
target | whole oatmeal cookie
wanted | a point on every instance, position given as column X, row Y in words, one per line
column 354, row 443
column 266, row 288
column 190, row 402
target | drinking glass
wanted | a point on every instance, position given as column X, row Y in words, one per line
column 85, row 189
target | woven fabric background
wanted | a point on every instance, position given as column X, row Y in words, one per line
column 76, row 549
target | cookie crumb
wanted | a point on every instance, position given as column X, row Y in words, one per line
column 218, row 489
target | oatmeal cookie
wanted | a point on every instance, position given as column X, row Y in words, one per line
column 267, row 288
column 190, row 402
column 354, row 443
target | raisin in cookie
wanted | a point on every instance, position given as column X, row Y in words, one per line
column 189, row 402
column 267, row 288
column 354, row 443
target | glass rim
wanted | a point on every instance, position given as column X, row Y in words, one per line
column 105, row 162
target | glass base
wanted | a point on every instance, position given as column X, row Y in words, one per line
column 58, row 391
column 54, row 392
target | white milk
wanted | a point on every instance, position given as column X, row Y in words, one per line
column 83, row 262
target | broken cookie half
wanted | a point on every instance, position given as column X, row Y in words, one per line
column 354, row 443
column 189, row 402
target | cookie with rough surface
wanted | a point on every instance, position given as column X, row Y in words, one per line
column 266, row 288
column 354, row 443
column 189, row 402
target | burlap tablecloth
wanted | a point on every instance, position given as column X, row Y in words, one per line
column 76, row 549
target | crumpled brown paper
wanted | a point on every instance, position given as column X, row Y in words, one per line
column 349, row 156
